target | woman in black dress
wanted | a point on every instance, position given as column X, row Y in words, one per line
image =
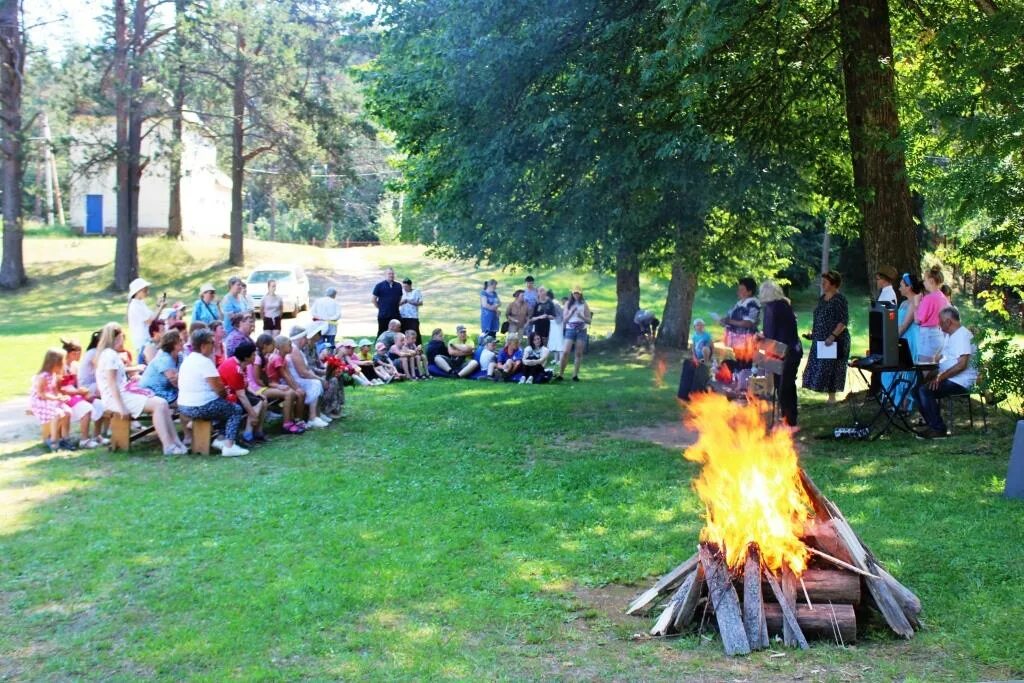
column 780, row 325
column 831, row 318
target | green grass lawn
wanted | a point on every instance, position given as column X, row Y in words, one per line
column 470, row 531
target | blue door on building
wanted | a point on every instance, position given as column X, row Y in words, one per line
column 93, row 214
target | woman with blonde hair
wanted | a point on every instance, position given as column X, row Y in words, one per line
column 128, row 399
column 780, row 325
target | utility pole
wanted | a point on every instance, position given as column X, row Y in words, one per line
column 52, row 182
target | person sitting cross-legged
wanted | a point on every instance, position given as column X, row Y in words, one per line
column 535, row 355
column 461, row 353
column 956, row 373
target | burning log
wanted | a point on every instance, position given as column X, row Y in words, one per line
column 824, row 622
column 726, row 602
column 753, row 604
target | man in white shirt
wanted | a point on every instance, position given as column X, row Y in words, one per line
column 884, row 278
column 327, row 309
column 956, row 373
column 409, row 308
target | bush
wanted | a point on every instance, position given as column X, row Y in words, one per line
column 1003, row 378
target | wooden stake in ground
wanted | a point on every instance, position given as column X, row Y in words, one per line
column 726, row 602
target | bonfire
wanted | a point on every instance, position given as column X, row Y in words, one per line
column 775, row 556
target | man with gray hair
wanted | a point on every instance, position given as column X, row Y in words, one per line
column 326, row 309
column 956, row 373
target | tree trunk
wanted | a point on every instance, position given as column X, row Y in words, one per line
column 135, row 113
column 12, row 69
column 272, row 208
column 675, row 319
column 126, row 255
column 879, row 162
column 236, row 257
column 627, row 293
column 174, row 227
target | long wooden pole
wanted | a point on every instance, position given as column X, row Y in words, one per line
column 52, row 180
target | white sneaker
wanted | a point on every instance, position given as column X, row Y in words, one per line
column 218, row 444
column 522, row 380
column 88, row 444
column 529, row 380
column 316, row 423
column 233, row 450
column 325, row 418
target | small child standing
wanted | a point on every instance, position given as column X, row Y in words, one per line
column 49, row 406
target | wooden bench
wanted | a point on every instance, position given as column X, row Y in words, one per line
column 202, row 432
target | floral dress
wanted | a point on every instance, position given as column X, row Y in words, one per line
column 828, row 375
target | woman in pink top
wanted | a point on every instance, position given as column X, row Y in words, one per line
column 929, row 335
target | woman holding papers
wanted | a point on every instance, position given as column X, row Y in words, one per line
column 830, row 340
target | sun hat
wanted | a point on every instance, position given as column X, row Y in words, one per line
column 460, row 328
column 365, row 342
column 889, row 273
column 489, row 339
column 296, row 332
column 381, row 346
column 136, row 286
column 319, row 327
column 348, row 342
column 576, row 289
column 699, row 321
column 331, row 291
column 206, row 287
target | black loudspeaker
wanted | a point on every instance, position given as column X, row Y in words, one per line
column 884, row 334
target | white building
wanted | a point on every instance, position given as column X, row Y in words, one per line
column 205, row 189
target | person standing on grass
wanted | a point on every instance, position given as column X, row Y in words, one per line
column 780, row 325
column 409, row 308
column 206, row 309
column 929, row 333
column 577, row 316
column 203, row 396
column 517, row 314
column 233, row 302
column 386, row 295
column 831, row 320
column 141, row 315
column 490, row 309
column 327, row 310
column 128, row 399
column 272, row 309
column 542, row 313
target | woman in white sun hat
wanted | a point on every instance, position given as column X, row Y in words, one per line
column 206, row 309
column 140, row 315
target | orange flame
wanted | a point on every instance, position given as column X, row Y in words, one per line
column 749, row 484
column 744, row 347
column 724, row 374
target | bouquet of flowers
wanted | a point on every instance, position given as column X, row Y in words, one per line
column 335, row 366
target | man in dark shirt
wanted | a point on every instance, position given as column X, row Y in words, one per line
column 386, row 295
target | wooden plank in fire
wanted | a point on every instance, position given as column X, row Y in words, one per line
column 664, row 585
column 726, row 602
column 668, row 621
column 753, row 602
column 691, row 598
column 789, row 620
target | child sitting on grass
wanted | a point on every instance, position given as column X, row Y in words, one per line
column 403, row 357
column 260, row 384
column 350, row 362
column 48, row 405
column 418, row 356
column 384, row 366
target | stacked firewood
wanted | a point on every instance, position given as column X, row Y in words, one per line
column 842, row 579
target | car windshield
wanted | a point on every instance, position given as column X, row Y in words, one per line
column 266, row 275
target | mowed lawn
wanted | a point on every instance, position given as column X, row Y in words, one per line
column 470, row 531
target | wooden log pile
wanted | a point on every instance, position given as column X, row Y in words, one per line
column 842, row 580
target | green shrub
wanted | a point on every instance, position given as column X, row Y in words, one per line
column 1002, row 379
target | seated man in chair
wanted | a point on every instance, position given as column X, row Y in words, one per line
column 956, row 374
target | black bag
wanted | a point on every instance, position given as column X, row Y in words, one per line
column 504, row 327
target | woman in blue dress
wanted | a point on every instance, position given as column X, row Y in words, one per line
column 490, row 307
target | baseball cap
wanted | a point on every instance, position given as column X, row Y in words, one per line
column 460, row 328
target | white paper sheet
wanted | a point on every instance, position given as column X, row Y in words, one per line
column 826, row 352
